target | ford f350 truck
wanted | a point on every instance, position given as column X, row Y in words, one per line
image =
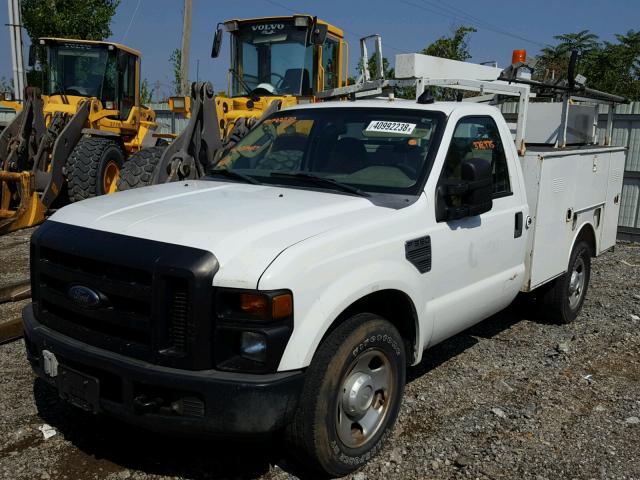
column 324, row 254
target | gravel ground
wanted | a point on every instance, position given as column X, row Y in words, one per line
column 513, row 397
column 14, row 266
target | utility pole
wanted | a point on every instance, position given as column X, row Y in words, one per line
column 184, row 56
column 15, row 34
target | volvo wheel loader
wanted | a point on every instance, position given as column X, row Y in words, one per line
column 72, row 136
column 275, row 62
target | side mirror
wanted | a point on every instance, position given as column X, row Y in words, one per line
column 471, row 196
column 32, row 55
column 318, row 34
column 217, row 42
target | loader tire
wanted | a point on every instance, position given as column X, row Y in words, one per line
column 139, row 169
column 93, row 167
column 240, row 129
column 238, row 132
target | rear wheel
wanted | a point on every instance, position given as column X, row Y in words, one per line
column 139, row 169
column 93, row 168
column 351, row 397
column 563, row 298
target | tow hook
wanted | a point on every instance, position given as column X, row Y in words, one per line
column 144, row 404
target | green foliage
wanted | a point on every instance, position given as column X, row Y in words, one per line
column 146, row 92
column 83, row 19
column 455, row 47
column 373, row 67
column 610, row 67
column 176, row 82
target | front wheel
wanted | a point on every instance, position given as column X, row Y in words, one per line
column 352, row 394
column 563, row 298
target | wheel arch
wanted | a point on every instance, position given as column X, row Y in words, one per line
column 394, row 306
column 586, row 233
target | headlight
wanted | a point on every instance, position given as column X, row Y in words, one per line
column 254, row 306
column 253, row 346
column 252, row 329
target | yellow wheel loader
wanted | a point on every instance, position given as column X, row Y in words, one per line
column 276, row 62
column 70, row 139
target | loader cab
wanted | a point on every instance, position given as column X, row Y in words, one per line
column 77, row 69
column 285, row 56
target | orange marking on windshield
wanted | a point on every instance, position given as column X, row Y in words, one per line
column 484, row 145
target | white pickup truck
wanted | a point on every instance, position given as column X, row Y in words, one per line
column 325, row 253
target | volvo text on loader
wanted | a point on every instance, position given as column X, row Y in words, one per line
column 70, row 139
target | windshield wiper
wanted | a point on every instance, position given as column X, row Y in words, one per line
column 225, row 172
column 328, row 182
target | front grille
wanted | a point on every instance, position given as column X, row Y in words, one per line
column 123, row 323
column 155, row 299
column 179, row 314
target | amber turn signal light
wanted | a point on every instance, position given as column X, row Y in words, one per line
column 282, row 306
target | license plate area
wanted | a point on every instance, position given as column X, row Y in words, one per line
column 79, row 389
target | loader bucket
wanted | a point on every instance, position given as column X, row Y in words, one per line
column 20, row 204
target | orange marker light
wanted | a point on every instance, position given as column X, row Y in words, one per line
column 518, row 56
column 282, row 306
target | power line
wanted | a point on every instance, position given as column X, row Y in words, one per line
column 461, row 16
column 126, row 32
column 488, row 26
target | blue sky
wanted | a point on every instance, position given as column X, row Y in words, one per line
column 405, row 26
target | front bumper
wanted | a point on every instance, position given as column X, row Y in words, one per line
column 219, row 403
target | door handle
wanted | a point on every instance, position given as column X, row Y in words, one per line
column 517, row 233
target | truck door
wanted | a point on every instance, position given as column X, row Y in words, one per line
column 478, row 261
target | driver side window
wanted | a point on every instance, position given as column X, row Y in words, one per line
column 478, row 137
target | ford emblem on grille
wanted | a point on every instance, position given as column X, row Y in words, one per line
column 84, row 296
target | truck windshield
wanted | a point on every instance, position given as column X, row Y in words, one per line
column 76, row 69
column 372, row 149
column 272, row 58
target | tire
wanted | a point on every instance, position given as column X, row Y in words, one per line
column 93, row 167
column 139, row 169
column 240, row 129
column 363, row 343
column 563, row 298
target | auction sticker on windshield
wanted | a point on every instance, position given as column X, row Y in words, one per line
column 391, row 127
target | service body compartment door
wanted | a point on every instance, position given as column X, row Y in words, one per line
column 573, row 191
column 614, row 197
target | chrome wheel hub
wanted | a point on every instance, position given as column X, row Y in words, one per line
column 576, row 283
column 365, row 398
column 357, row 394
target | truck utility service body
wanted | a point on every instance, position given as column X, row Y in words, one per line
column 185, row 248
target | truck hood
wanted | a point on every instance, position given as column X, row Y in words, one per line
column 244, row 226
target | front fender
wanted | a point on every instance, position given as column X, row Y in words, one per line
column 325, row 292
